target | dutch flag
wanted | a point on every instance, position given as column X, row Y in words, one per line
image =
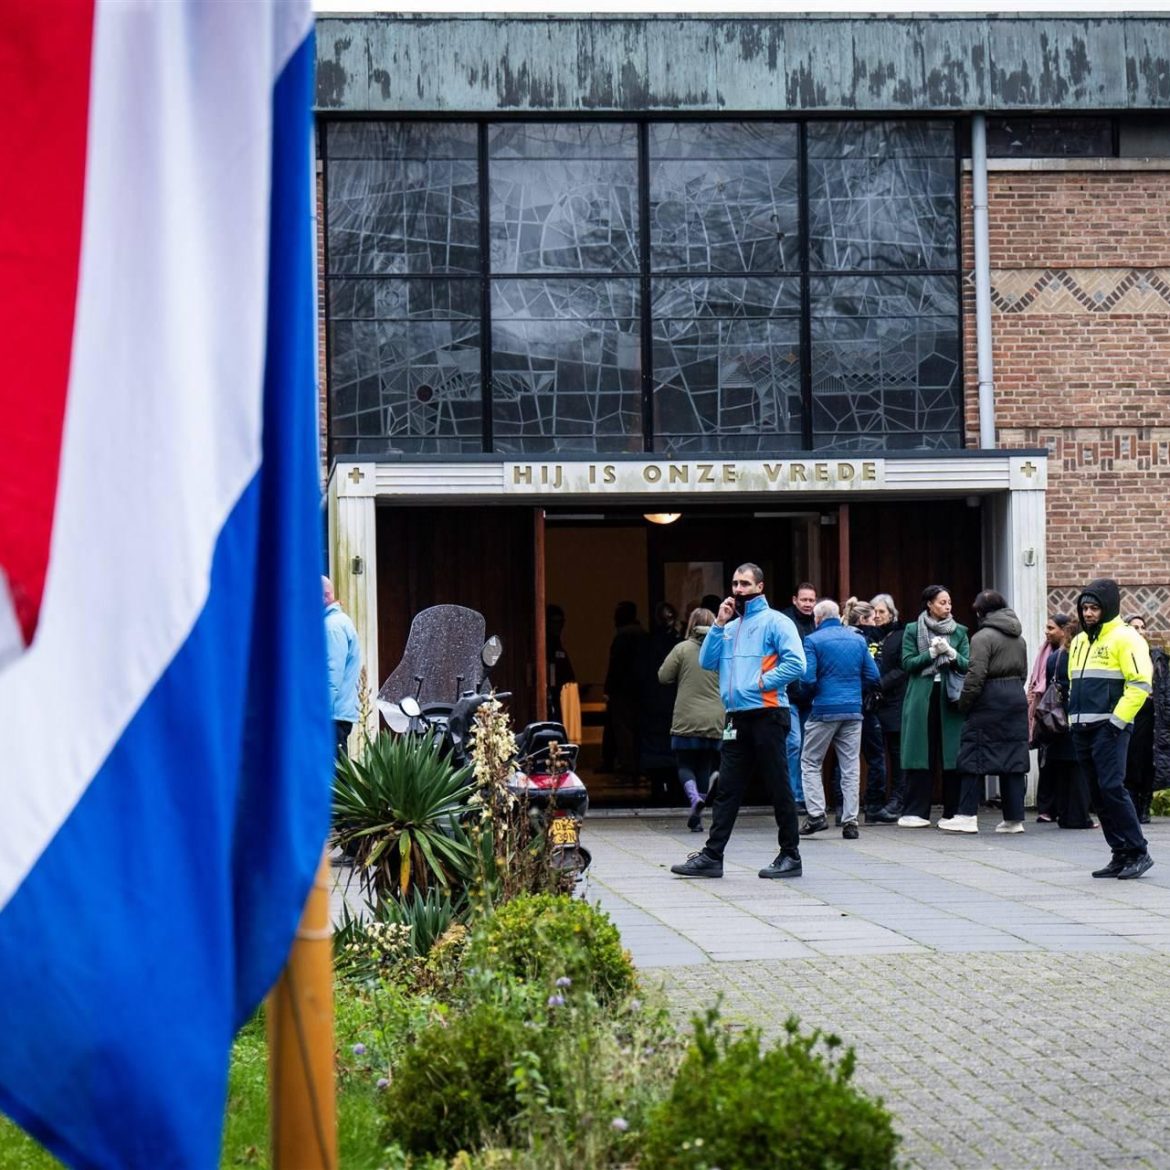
column 165, row 739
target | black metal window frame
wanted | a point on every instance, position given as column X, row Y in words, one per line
column 960, row 133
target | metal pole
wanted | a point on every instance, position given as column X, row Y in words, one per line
column 986, row 365
column 303, row 1116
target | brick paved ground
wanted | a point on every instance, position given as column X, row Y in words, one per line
column 1013, row 1012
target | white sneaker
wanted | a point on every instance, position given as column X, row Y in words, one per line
column 913, row 823
column 1010, row 827
column 959, row 824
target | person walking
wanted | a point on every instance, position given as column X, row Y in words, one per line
column 1110, row 676
column 838, row 668
column 697, row 722
column 930, row 724
column 344, row 660
column 994, row 739
column 889, row 706
column 757, row 653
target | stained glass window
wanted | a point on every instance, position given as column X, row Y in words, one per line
column 566, row 365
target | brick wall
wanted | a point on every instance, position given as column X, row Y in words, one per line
column 1081, row 340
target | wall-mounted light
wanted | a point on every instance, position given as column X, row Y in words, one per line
column 356, row 566
column 661, row 517
column 1029, row 557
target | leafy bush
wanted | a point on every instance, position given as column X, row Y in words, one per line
column 393, row 931
column 737, row 1106
column 1160, row 806
column 397, row 812
column 542, row 937
column 456, row 1086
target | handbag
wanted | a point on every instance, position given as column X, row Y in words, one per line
column 953, row 681
column 1050, row 719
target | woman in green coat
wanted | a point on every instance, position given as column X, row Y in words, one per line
column 930, row 725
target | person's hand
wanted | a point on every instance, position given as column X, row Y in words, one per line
column 726, row 611
column 935, row 647
column 950, row 651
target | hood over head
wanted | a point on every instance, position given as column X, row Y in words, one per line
column 1107, row 594
column 1005, row 621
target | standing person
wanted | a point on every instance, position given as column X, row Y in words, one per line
column 862, row 617
column 800, row 613
column 838, row 668
column 1109, row 679
column 558, row 666
column 1053, row 640
column 994, row 739
column 344, row 658
column 1139, row 764
column 1058, row 757
column 696, row 726
column 931, row 725
column 757, row 653
column 624, row 687
column 889, row 707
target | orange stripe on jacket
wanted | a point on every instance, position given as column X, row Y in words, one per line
column 770, row 698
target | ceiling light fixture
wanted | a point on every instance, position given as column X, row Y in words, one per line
column 661, row 517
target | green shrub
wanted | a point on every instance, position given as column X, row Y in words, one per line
column 455, row 1086
column 738, row 1106
column 543, row 937
column 397, row 813
column 1160, row 806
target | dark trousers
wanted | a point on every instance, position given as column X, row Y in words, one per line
column 873, row 752
column 1102, row 750
column 697, row 764
column 893, row 745
column 1070, row 793
column 759, row 748
column 1011, row 794
column 920, row 781
column 342, row 730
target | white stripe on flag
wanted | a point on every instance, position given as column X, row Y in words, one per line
column 162, row 428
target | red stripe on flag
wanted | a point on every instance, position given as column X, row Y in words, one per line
column 45, row 55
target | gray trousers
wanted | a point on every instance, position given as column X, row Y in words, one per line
column 845, row 735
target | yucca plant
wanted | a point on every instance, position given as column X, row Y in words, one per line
column 362, row 946
column 397, row 813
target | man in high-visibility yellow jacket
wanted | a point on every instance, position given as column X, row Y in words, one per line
column 1109, row 675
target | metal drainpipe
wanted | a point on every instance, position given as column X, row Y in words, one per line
column 986, row 365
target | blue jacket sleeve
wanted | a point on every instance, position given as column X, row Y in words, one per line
column 712, row 648
column 810, row 669
column 790, row 659
column 336, row 652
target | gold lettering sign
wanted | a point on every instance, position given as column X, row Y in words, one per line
column 691, row 477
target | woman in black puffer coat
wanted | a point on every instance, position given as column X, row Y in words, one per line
column 994, row 699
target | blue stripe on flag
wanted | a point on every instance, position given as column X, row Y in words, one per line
column 164, row 907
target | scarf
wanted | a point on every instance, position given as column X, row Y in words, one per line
column 929, row 627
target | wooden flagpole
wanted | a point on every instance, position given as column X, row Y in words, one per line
column 302, row 1105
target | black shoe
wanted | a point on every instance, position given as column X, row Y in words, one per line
column 695, row 820
column 873, row 816
column 1143, row 818
column 783, row 867
column 699, row 865
column 1136, row 867
column 885, row 816
column 801, row 809
column 850, row 831
column 837, row 818
column 813, row 825
column 1115, row 866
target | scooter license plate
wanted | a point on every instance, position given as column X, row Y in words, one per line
column 563, row 831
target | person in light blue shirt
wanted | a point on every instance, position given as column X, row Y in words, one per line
column 344, row 657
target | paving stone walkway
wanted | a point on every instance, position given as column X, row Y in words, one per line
column 1013, row 1011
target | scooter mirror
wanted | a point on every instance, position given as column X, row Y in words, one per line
column 409, row 707
column 493, row 648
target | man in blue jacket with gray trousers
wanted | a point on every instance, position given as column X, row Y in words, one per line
column 839, row 666
column 757, row 654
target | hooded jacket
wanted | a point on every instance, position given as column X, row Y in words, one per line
column 698, row 709
column 1109, row 670
column 994, row 738
column 756, row 655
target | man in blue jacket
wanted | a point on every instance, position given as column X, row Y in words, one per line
column 344, row 657
column 839, row 666
column 757, row 654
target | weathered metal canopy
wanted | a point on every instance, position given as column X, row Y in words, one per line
column 485, row 64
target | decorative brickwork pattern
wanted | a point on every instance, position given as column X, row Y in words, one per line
column 1081, row 290
column 1151, row 600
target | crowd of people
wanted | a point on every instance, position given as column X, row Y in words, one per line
column 745, row 690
